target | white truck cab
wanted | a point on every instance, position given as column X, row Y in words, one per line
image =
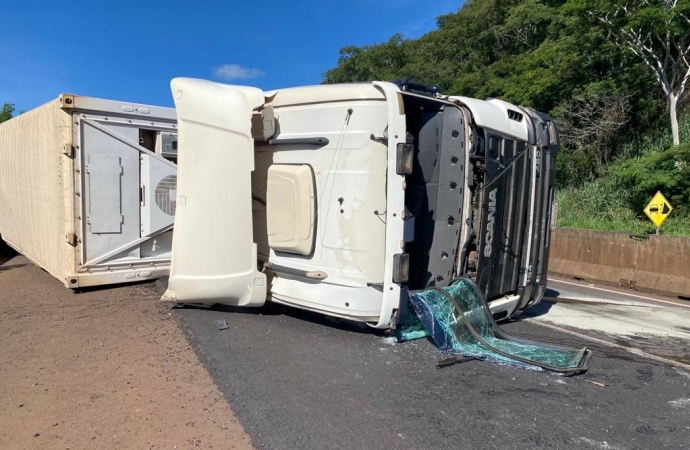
column 340, row 199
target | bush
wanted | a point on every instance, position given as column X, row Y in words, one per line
column 614, row 197
column 598, row 201
column 574, row 168
column 656, row 141
column 599, row 205
column 667, row 172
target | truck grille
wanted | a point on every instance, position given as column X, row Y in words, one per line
column 498, row 273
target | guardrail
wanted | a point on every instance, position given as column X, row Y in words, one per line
column 645, row 262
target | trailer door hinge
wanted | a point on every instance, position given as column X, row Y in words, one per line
column 71, row 239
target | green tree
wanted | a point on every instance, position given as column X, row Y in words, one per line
column 551, row 55
column 6, row 112
column 539, row 53
column 371, row 62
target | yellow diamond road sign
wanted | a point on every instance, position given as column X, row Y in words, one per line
column 658, row 209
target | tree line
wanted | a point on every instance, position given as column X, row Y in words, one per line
column 609, row 72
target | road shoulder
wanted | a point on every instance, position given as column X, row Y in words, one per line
column 101, row 369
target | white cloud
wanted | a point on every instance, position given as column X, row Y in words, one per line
column 237, row 72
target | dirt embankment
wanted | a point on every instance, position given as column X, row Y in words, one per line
column 103, row 369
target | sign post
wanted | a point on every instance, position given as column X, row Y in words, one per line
column 658, row 210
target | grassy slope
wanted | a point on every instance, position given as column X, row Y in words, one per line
column 601, row 204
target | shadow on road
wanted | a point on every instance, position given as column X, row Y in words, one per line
column 275, row 309
column 551, row 293
column 110, row 287
column 540, row 309
column 6, row 254
column 551, row 296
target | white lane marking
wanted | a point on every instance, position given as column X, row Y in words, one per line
column 634, row 351
column 603, row 444
column 680, row 403
column 619, row 293
column 603, row 301
column 680, row 372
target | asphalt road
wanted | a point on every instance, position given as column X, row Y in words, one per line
column 561, row 288
column 298, row 380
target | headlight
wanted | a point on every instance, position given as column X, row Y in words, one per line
column 401, row 267
column 405, row 159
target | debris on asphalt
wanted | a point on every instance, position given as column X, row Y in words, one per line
column 222, row 324
column 597, row 383
column 453, row 360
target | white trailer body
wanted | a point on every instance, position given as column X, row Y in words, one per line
column 340, row 199
column 87, row 189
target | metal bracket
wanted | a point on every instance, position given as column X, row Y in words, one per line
column 313, row 274
column 68, row 150
column 66, row 101
column 71, row 239
column 383, row 139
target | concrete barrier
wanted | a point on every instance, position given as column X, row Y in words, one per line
column 647, row 263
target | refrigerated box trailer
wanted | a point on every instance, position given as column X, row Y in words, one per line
column 88, row 189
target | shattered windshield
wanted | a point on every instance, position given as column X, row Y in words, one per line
column 459, row 322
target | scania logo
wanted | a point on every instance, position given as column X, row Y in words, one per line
column 490, row 224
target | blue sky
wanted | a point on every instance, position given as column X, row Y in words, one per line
column 130, row 50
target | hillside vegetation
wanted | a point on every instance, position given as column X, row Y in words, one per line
column 6, row 112
column 558, row 57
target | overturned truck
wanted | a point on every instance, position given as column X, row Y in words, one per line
column 342, row 199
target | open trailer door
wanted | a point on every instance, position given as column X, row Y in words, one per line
column 214, row 257
column 118, row 218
